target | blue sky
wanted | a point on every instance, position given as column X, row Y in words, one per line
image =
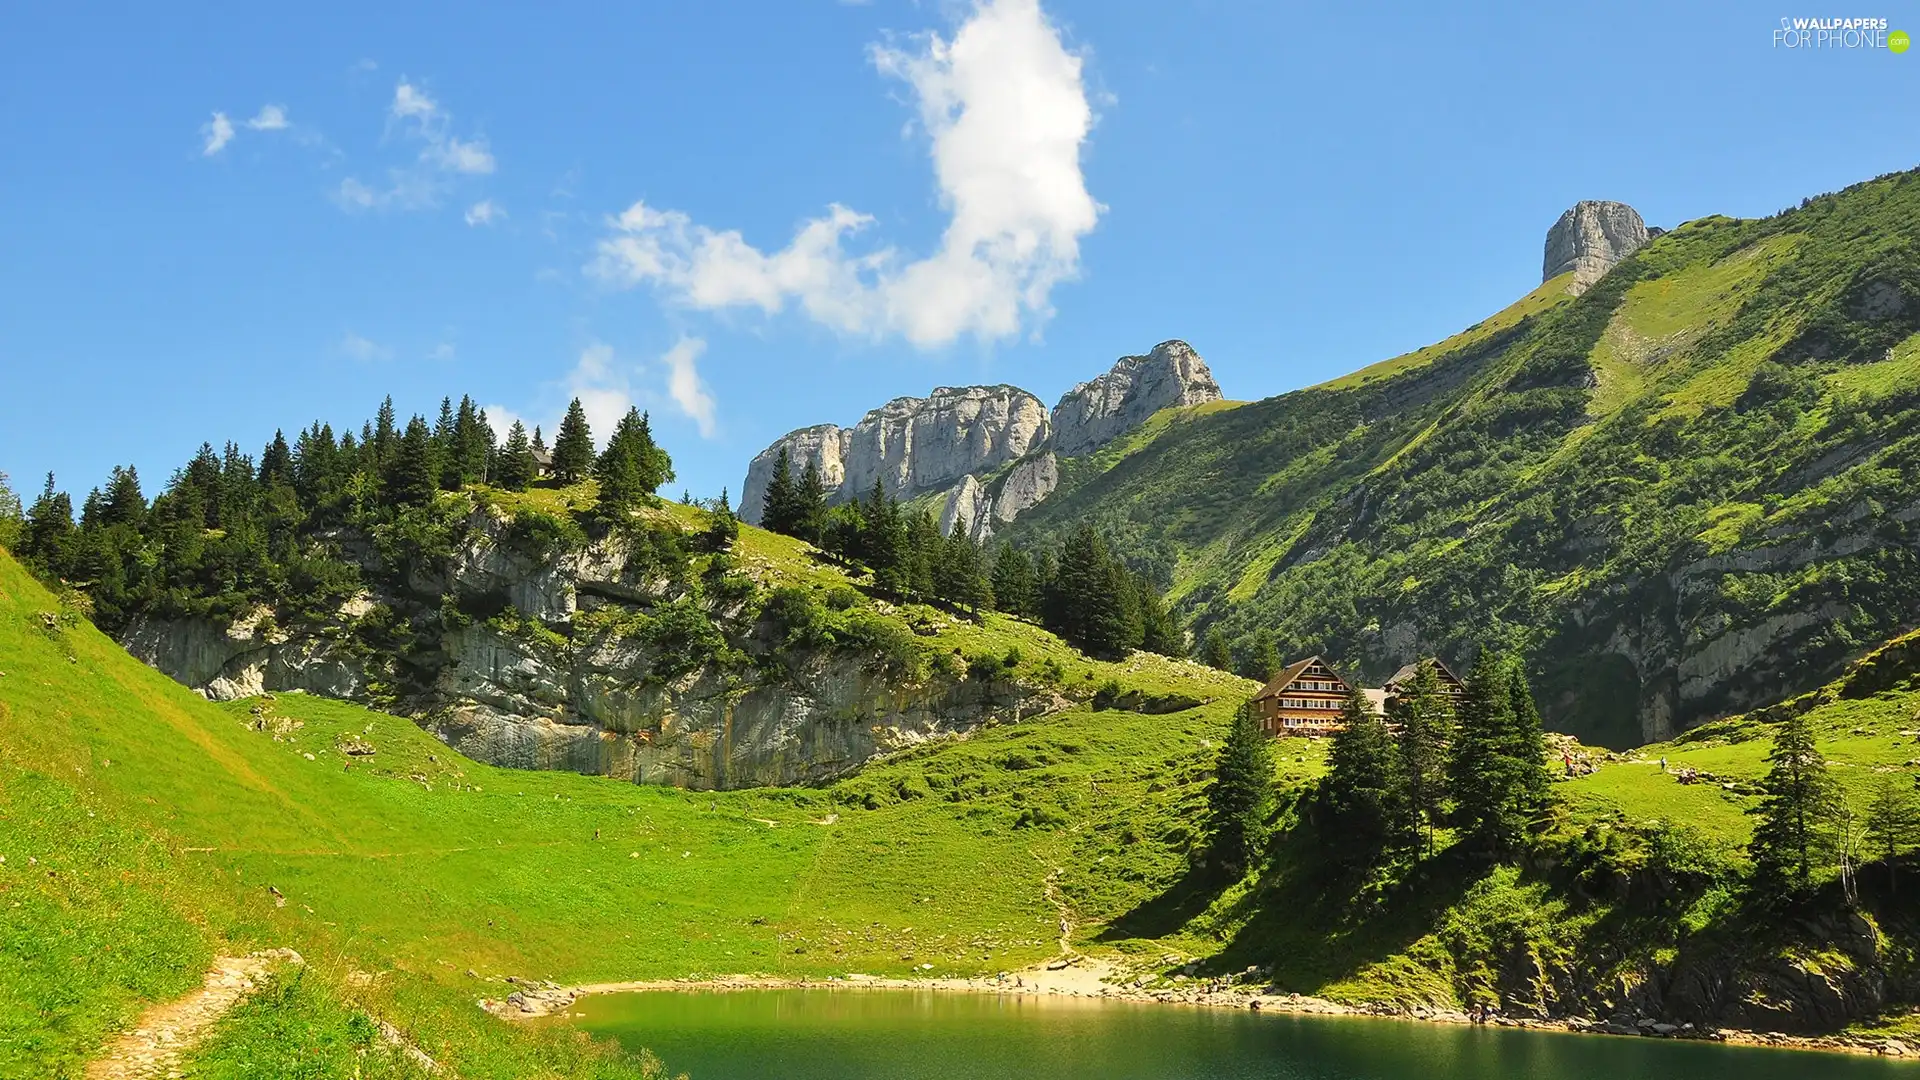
column 753, row 217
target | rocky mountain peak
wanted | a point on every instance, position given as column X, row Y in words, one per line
column 1590, row 238
column 1096, row 412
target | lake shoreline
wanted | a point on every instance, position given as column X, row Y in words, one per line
column 1085, row 978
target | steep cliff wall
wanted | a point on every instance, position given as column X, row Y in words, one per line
column 591, row 658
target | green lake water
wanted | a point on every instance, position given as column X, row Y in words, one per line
column 857, row 1034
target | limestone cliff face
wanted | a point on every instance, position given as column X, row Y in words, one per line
column 911, row 445
column 1589, row 239
column 556, row 685
column 1095, row 413
column 961, row 440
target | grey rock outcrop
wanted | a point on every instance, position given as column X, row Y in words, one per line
column 911, row 445
column 559, row 685
column 987, row 508
column 1589, row 239
column 1096, row 412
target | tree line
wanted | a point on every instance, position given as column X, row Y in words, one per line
column 1081, row 590
column 231, row 527
column 1394, row 780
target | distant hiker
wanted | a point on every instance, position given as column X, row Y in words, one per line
column 1663, row 764
column 596, row 834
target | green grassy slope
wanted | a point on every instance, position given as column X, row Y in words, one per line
column 1688, row 491
column 163, row 820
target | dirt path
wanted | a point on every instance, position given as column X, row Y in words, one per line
column 165, row 1031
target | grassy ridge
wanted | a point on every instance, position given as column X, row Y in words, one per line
column 1558, row 478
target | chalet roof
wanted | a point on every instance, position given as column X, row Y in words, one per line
column 543, row 457
column 1287, row 674
column 1406, row 674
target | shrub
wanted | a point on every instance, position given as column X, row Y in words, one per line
column 843, row 598
column 796, row 618
column 682, row 639
column 539, row 535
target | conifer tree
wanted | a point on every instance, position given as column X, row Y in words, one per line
column 413, row 477
column 1793, row 836
column 1012, row 580
column 809, row 504
column 385, row 433
column 1240, row 801
column 573, row 446
column 923, row 547
column 1263, row 658
column 443, row 430
column 1159, row 630
column 1424, row 712
column 964, row 580
column 539, row 440
column 1214, row 652
column 123, row 503
column 516, row 468
column 1893, row 819
column 1478, row 765
column 777, row 505
column 276, row 461
column 1530, row 788
column 618, row 469
column 1364, row 791
column 49, row 527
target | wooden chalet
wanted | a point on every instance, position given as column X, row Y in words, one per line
column 1304, row 699
column 1450, row 683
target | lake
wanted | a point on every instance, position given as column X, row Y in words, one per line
column 868, row 1034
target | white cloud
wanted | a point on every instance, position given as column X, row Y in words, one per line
column 443, row 351
column 1006, row 111
column 684, row 385
column 359, row 348
column 484, row 212
column 218, row 132
column 270, row 118
column 417, row 117
column 501, row 419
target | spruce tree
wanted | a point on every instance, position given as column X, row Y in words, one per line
column 276, row 461
column 385, row 433
column 1793, row 836
column 965, row 581
column 1479, row 766
column 1364, row 791
column 1214, row 652
column 539, row 440
column 1240, row 800
column 413, row 477
column 1159, row 630
column 1529, row 786
column 923, row 554
column 618, row 469
column 48, row 529
column 1424, row 712
column 516, row 468
column 123, row 503
column 809, row 504
column 1263, row 658
column 573, row 446
column 776, row 506
column 1893, row 819
column 1012, row 580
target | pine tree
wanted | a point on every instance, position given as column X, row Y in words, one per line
column 1792, row 838
column 1240, row 801
column 1214, row 653
column 618, row 469
column 1893, row 819
column 276, row 461
column 1364, row 791
column 1263, row 658
column 965, row 580
column 516, row 468
column 1529, row 787
column 809, row 504
column 1012, row 580
column 49, row 527
column 1478, row 766
column 1159, row 630
column 1424, row 712
column 923, row 553
column 776, row 506
column 573, row 446
column 539, row 440
column 413, row 477
column 123, row 503
column 385, row 434
column 443, row 431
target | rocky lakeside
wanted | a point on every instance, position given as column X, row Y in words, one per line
column 1090, row 978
